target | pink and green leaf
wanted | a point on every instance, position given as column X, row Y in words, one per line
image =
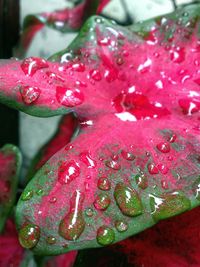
column 137, row 160
column 10, row 163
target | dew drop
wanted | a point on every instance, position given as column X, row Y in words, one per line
column 128, row 200
column 152, row 168
column 172, row 138
column 95, row 75
column 163, row 168
column 177, row 55
column 102, row 202
column 29, row 235
column 121, row 226
column 73, row 224
column 68, row 171
column 27, row 195
column 141, row 181
column 69, row 97
column 79, row 67
column 85, row 157
column 105, row 236
column 127, row 155
column 163, row 147
column 32, row 64
column 53, row 200
column 29, row 94
column 51, row 240
column 104, row 184
column 119, row 61
column 110, row 75
column 164, row 184
column 113, row 165
column 39, row 192
column 89, row 212
column 168, row 205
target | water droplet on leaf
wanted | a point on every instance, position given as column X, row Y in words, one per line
column 121, row 226
column 102, row 202
column 29, row 236
column 168, row 205
column 69, row 97
column 105, row 236
column 68, row 171
column 32, row 64
column 29, row 94
column 104, row 184
column 128, row 200
column 73, row 224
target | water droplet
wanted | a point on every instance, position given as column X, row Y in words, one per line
column 105, row 236
column 152, row 168
column 95, row 75
column 69, row 97
column 79, row 67
column 113, row 165
column 172, row 138
column 102, row 201
column 120, row 61
column 163, row 168
column 51, row 240
column 127, row 155
column 141, row 181
column 85, row 157
column 168, row 205
column 68, row 171
column 164, row 184
column 177, row 55
column 73, row 224
column 29, row 94
column 53, row 200
column 99, row 20
column 121, row 226
column 89, row 212
column 163, row 147
column 39, row 192
column 110, row 75
column 104, row 184
column 27, row 195
column 32, row 64
column 128, row 200
column 29, row 235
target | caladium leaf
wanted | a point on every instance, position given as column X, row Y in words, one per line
column 10, row 159
column 67, row 128
column 137, row 161
column 174, row 242
column 64, row 20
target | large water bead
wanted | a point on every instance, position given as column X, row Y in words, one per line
column 29, row 235
column 128, row 200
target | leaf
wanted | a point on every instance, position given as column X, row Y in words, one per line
column 137, row 160
column 64, row 20
column 10, row 159
column 173, row 242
